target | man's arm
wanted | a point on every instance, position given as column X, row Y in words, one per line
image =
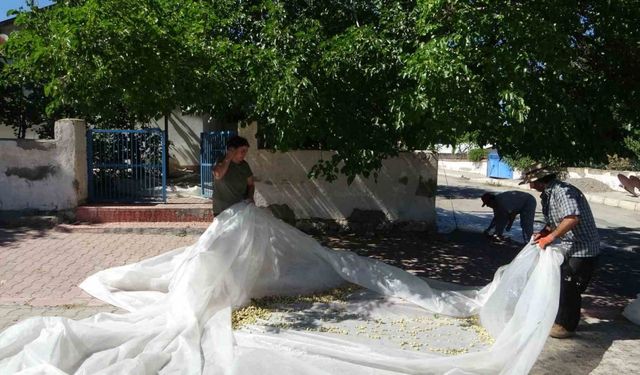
column 568, row 223
column 545, row 231
column 566, row 205
column 502, row 218
column 251, row 189
column 222, row 167
column 493, row 224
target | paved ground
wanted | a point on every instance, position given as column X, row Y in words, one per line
column 40, row 270
column 43, row 267
column 619, row 228
column 604, row 333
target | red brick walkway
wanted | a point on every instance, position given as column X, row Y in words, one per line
column 44, row 268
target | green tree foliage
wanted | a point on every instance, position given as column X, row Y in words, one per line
column 633, row 144
column 477, row 154
column 22, row 101
column 553, row 81
column 22, row 106
column 545, row 80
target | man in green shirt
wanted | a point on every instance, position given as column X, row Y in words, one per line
column 232, row 176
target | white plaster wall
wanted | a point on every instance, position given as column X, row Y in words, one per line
column 470, row 166
column 460, row 148
column 184, row 135
column 608, row 177
column 404, row 190
column 464, row 166
column 45, row 175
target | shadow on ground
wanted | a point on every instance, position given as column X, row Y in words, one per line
column 580, row 355
column 620, row 238
column 468, row 258
column 615, row 282
column 461, row 257
column 10, row 235
column 460, row 192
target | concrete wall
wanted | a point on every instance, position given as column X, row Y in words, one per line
column 404, row 192
column 45, row 175
column 465, row 166
column 184, row 135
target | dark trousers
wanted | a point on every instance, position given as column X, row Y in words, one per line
column 576, row 274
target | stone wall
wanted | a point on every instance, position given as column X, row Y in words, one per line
column 45, row 175
column 403, row 195
column 184, row 136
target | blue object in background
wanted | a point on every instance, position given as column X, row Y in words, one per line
column 496, row 168
column 213, row 145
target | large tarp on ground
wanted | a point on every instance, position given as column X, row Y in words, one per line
column 632, row 311
column 180, row 306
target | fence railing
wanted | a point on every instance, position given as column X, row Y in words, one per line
column 126, row 165
column 213, row 146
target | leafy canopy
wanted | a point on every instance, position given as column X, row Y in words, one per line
column 547, row 80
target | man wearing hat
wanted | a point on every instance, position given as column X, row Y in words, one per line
column 570, row 225
column 506, row 206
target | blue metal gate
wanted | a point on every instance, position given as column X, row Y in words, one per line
column 213, row 146
column 126, row 165
column 496, row 168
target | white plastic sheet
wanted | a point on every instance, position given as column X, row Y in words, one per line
column 180, row 307
column 632, row 311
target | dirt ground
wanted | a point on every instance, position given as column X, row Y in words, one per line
column 589, row 185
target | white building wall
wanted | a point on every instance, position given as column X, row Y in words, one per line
column 184, row 138
column 45, row 175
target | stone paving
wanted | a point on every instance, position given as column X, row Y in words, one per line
column 11, row 314
column 40, row 271
column 43, row 268
column 133, row 227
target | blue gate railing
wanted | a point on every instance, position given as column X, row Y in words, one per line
column 213, row 146
column 497, row 168
column 126, row 165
